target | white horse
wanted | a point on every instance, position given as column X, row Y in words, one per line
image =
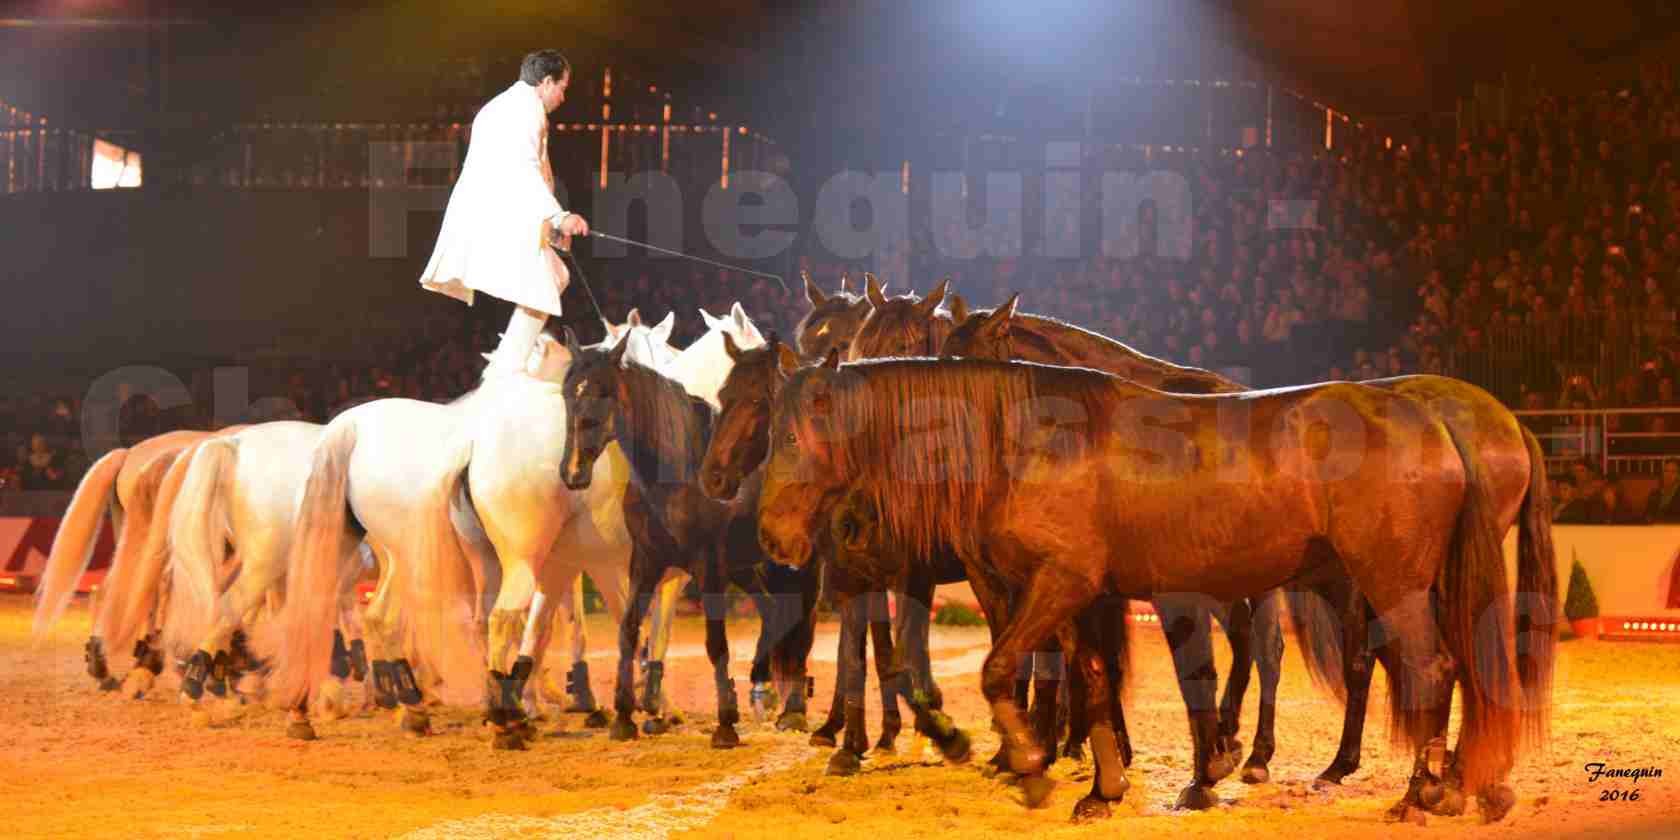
column 239, row 494
column 125, row 484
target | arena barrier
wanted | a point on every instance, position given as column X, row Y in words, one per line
column 25, row 542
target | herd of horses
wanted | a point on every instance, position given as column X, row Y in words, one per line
column 894, row 445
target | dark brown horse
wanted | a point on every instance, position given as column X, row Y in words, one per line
column 1068, row 483
column 737, row 450
column 833, row 319
column 1502, row 450
column 663, row 433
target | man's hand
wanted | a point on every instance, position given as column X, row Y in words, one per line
column 573, row 224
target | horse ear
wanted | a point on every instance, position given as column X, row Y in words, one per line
column 730, row 348
column 1001, row 316
column 845, row 282
column 616, row 357
column 787, row 360
column 812, row 293
column 634, row 319
column 740, row 316
column 959, row 309
column 931, row 302
column 663, row 328
column 571, row 342
column 832, row 362
column 872, row 290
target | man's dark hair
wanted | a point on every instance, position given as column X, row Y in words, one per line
column 542, row 64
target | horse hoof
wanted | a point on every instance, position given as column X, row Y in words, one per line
column 622, row 729
column 957, row 749
column 1405, row 812
column 508, row 739
column 1000, row 762
column 1091, row 809
column 300, row 730
column 1026, row 761
column 654, row 726
column 109, row 684
column 138, row 682
column 597, row 719
column 725, row 737
column 1451, row 803
column 1495, row 801
column 1256, row 774
column 792, row 722
column 1331, row 777
column 1074, row 752
column 886, row 746
column 1430, row 793
column 414, row 721
column 823, row 738
column 1220, row 766
column 844, row 763
column 1197, row 798
column 1112, row 787
column 1036, row 790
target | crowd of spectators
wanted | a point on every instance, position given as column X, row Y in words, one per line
column 1539, row 256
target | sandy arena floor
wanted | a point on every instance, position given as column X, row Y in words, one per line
column 75, row 762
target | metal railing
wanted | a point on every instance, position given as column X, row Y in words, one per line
column 1618, row 441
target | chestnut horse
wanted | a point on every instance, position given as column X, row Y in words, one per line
column 1069, row 484
column 1502, row 449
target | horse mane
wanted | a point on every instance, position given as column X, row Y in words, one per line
column 666, row 429
column 931, row 443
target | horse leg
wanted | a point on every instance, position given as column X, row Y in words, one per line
column 849, row 687
column 1089, row 661
column 644, row 578
column 913, row 673
column 762, row 696
column 850, row 634
column 517, row 604
column 1357, row 663
column 1188, row 637
column 1115, row 642
column 713, row 587
column 1075, row 700
column 1268, row 657
column 1237, row 618
column 1048, row 603
column 1422, row 673
column 796, row 652
column 660, row 615
column 1047, row 678
column 880, row 633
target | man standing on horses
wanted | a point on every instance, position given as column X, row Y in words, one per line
column 503, row 216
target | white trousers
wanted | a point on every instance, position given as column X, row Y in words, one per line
column 514, row 353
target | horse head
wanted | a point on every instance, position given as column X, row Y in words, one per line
column 832, row 321
column 741, row 428
column 983, row 335
column 801, row 478
column 899, row 326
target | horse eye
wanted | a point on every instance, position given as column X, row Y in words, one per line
column 792, row 439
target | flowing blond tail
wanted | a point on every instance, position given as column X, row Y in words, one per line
column 198, row 528
column 125, row 598
column 301, row 641
column 78, row 533
column 441, row 592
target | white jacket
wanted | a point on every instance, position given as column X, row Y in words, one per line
column 495, row 231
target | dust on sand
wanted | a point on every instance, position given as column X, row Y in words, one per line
column 78, row 762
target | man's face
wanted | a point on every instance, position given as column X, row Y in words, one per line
column 553, row 91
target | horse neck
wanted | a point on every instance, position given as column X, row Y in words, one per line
column 662, row 430
column 1038, row 339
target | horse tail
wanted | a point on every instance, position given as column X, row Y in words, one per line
column 1476, row 624
column 441, row 600
column 1319, row 636
column 130, row 590
column 199, row 525
column 78, row 533
column 301, row 640
column 1537, row 588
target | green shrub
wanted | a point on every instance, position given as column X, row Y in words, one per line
column 1580, row 602
column 957, row 615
